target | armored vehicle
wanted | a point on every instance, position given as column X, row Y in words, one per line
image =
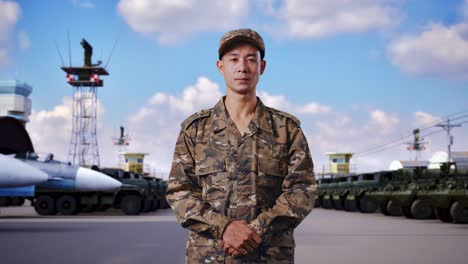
column 340, row 191
column 449, row 195
column 324, row 192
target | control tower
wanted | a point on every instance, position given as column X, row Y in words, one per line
column 85, row 80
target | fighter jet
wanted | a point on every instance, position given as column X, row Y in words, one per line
column 66, row 176
column 15, row 173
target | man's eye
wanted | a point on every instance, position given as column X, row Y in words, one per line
column 251, row 60
column 233, row 59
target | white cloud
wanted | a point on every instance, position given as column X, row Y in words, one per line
column 423, row 119
column 438, row 50
column 9, row 15
column 383, row 121
column 83, row 4
column 314, row 108
column 275, row 101
column 50, row 130
column 172, row 20
column 23, row 40
column 282, row 103
column 320, row 18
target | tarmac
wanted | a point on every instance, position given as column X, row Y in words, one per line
column 325, row 237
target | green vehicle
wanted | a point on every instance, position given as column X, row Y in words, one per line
column 449, row 196
column 386, row 182
column 327, row 199
column 323, row 193
column 164, row 203
column 405, row 196
column 340, row 190
column 363, row 185
column 137, row 195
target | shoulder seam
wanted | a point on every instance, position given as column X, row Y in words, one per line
column 201, row 114
column 287, row 115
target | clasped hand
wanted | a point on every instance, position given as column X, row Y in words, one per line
column 239, row 239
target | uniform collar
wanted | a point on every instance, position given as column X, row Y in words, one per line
column 262, row 119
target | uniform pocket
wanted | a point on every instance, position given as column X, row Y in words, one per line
column 212, row 178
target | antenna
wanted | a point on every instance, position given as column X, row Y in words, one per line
column 69, row 49
column 112, row 51
column 60, row 54
column 447, row 127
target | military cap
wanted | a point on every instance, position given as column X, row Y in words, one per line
column 241, row 35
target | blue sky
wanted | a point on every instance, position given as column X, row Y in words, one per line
column 355, row 72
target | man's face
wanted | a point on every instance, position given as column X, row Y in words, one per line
column 241, row 68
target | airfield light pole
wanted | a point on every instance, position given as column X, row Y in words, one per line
column 85, row 81
column 448, row 127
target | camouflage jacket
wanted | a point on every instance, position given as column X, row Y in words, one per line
column 264, row 177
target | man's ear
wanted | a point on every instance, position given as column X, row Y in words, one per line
column 262, row 66
column 219, row 65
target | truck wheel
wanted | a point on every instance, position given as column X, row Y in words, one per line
column 17, row 201
column 350, row 205
column 393, row 208
column 67, row 205
column 89, row 208
column 45, row 205
column 444, row 215
column 367, row 205
column 102, row 207
column 421, row 209
column 147, row 204
column 459, row 213
column 317, row 203
column 327, row 204
column 156, row 205
column 383, row 209
column 338, row 204
column 406, row 211
column 165, row 205
column 5, row 201
column 131, row 204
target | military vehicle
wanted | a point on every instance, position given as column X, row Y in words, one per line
column 136, row 195
column 404, row 194
column 449, row 195
column 358, row 196
column 164, row 203
column 340, row 191
column 324, row 194
column 387, row 182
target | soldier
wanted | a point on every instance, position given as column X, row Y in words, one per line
column 242, row 176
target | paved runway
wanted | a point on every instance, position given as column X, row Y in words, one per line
column 325, row 237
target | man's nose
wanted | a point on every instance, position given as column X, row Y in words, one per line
column 242, row 66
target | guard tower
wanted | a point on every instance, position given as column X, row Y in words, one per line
column 133, row 162
column 85, row 80
column 14, row 100
column 339, row 162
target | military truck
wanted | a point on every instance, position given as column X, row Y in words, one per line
column 387, row 182
column 340, row 191
column 449, row 195
column 136, row 196
column 405, row 195
column 364, row 184
column 324, row 195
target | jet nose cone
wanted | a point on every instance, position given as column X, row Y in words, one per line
column 15, row 173
column 90, row 180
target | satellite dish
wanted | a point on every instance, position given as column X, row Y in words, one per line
column 436, row 159
column 395, row 165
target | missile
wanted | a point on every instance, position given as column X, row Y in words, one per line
column 15, row 173
column 66, row 176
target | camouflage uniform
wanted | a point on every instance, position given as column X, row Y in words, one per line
column 264, row 177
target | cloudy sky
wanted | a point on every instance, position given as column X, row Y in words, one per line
column 360, row 74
